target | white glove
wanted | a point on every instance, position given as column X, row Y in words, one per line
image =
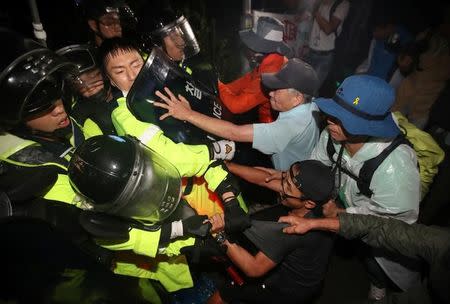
column 224, row 149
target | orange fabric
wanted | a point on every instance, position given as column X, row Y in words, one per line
column 204, row 201
column 245, row 93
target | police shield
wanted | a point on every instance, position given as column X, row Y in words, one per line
column 159, row 72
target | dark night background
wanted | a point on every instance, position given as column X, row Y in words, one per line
column 216, row 23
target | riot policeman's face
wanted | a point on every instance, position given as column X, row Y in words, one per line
column 123, row 67
column 89, row 83
column 174, row 46
column 51, row 120
column 107, row 26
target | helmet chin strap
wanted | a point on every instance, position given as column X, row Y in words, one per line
column 61, row 134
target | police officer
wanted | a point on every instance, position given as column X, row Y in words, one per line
column 36, row 94
column 34, row 153
column 34, row 91
column 108, row 19
column 173, row 33
column 95, row 99
column 122, row 177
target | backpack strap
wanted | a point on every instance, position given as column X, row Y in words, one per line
column 330, row 149
column 369, row 166
column 364, row 178
column 332, row 10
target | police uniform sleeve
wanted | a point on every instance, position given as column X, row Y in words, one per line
column 190, row 160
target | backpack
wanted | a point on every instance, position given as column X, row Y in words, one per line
column 368, row 168
column 429, row 156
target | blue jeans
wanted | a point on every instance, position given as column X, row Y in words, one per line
column 321, row 62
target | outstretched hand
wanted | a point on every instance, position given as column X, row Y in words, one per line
column 298, row 225
column 178, row 108
column 273, row 174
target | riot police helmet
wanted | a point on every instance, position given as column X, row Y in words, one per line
column 32, row 78
column 169, row 30
column 90, row 82
column 123, row 177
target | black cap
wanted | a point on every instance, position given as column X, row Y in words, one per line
column 314, row 179
column 295, row 74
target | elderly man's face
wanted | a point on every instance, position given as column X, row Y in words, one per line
column 283, row 100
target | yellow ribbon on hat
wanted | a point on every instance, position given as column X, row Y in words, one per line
column 356, row 101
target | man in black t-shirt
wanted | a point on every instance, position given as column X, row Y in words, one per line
column 285, row 268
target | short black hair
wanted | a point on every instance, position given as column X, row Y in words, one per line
column 113, row 46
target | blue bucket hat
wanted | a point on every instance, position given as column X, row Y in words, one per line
column 362, row 103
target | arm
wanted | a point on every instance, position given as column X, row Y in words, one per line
column 414, row 240
column 301, row 225
column 237, row 85
column 252, row 266
column 189, row 160
column 339, row 15
column 328, row 27
column 255, row 175
column 179, row 108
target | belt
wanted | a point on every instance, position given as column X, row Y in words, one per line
column 320, row 52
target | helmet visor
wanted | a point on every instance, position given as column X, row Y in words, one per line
column 159, row 72
column 178, row 39
column 153, row 189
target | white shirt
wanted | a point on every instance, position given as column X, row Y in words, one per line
column 319, row 40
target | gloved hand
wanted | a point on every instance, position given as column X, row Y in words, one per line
column 203, row 250
column 193, row 226
column 236, row 219
column 196, row 226
column 223, row 149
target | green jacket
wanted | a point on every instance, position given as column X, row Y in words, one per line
column 428, row 243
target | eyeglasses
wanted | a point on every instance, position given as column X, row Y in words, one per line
column 283, row 194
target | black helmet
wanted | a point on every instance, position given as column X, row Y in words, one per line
column 32, row 78
column 83, row 55
column 166, row 24
column 85, row 58
column 94, row 9
column 121, row 176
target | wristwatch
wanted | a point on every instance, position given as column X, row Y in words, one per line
column 220, row 238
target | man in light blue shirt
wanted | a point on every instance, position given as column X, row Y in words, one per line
column 290, row 138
